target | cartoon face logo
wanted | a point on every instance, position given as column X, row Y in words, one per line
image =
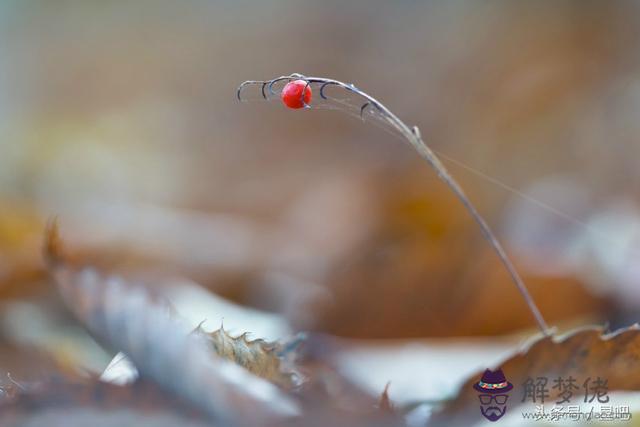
column 492, row 391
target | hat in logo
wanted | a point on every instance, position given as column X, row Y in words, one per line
column 493, row 382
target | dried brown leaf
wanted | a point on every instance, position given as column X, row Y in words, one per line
column 582, row 354
column 385, row 404
column 423, row 272
column 75, row 401
column 258, row 356
column 124, row 318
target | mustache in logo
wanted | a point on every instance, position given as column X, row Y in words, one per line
column 493, row 413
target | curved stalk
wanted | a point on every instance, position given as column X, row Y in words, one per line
column 412, row 135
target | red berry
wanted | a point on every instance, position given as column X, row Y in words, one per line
column 292, row 94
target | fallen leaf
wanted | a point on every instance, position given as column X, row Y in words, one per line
column 124, row 318
column 61, row 400
column 426, row 271
column 385, row 404
column 21, row 269
column 261, row 358
column 581, row 354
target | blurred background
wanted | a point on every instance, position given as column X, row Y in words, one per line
column 121, row 119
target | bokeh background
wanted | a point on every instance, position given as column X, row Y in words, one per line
column 120, row 118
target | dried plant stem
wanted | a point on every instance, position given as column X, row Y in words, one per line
column 426, row 153
column 412, row 135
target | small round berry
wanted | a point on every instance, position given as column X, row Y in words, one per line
column 292, row 94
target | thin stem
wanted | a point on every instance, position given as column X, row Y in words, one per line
column 412, row 135
column 426, row 153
